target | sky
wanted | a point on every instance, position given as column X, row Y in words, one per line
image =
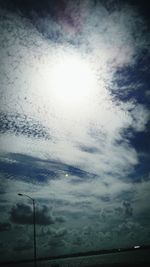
column 74, row 126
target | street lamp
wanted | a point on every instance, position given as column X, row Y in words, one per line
column 34, row 227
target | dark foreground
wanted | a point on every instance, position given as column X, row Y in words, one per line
column 109, row 258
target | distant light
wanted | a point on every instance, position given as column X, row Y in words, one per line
column 66, row 175
column 136, row 246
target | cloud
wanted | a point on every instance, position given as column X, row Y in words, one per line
column 59, row 233
column 127, row 208
column 23, row 214
column 104, row 236
column 23, row 245
column 29, row 169
column 22, row 125
column 77, row 240
column 89, row 149
column 56, row 243
column 51, row 231
column 36, row 170
column 60, row 219
column 5, row 226
column 112, row 119
column 129, row 227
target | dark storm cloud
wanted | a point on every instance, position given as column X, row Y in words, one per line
column 78, row 240
column 5, row 226
column 118, row 210
column 23, row 214
column 59, row 233
column 104, row 198
column 52, row 232
column 126, row 196
column 82, row 204
column 23, row 245
column 57, row 239
column 22, row 125
column 60, row 219
column 128, row 210
column 55, row 243
column 129, row 227
column 58, row 202
column 125, row 209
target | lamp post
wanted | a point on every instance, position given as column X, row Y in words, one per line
column 34, row 227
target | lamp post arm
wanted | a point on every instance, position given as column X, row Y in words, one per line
column 28, row 197
column 20, row 194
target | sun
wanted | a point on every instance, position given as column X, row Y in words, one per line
column 72, row 81
column 65, row 83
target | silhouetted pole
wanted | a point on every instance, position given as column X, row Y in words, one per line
column 34, row 227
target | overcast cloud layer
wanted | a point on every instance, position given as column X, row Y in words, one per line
column 85, row 160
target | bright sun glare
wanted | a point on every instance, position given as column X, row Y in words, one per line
column 72, row 81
